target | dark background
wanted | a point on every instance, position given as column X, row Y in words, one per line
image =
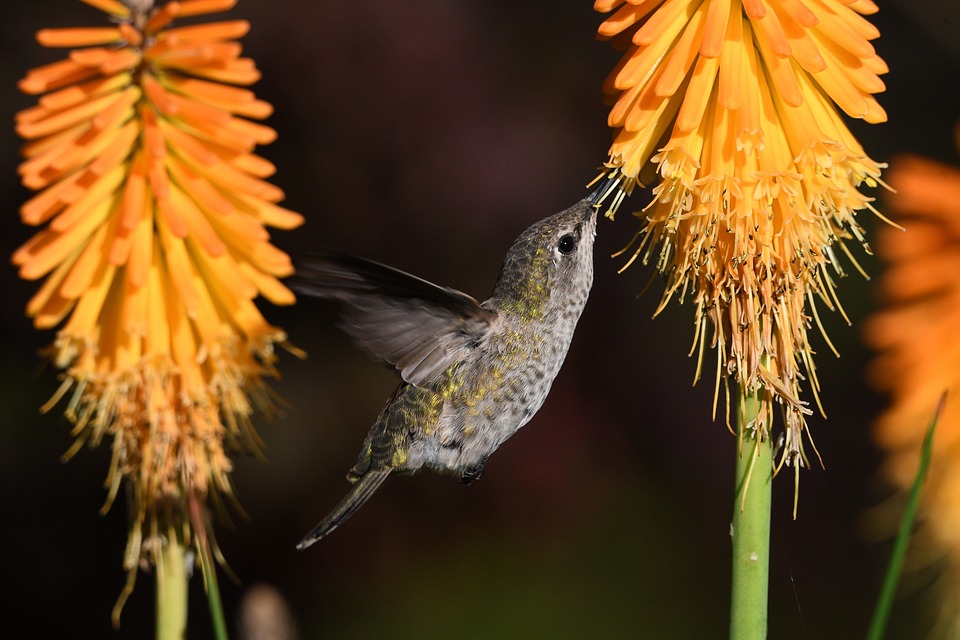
column 427, row 134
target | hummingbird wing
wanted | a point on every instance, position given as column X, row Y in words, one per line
column 416, row 326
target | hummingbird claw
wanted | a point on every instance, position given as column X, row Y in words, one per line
column 473, row 473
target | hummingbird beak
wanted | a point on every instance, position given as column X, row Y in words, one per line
column 605, row 187
column 590, row 215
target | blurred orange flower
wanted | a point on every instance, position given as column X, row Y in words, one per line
column 729, row 107
column 916, row 334
column 154, row 250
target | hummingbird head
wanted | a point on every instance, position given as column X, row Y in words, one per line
column 550, row 266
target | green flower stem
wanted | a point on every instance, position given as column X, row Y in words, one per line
column 172, row 591
column 878, row 624
column 213, row 595
column 751, row 526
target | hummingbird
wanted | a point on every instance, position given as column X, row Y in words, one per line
column 472, row 372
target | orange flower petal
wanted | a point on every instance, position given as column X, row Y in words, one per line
column 226, row 98
column 76, row 94
column 76, row 114
column 53, row 247
column 241, row 71
column 681, row 56
column 625, row 17
column 134, row 313
column 178, row 266
column 83, row 320
column 78, row 37
column 162, row 17
column 198, row 227
column 199, row 7
column 209, row 32
column 81, row 275
column 140, row 257
column 54, row 76
column 718, row 14
column 96, row 195
column 47, row 307
column 117, row 152
column 113, row 7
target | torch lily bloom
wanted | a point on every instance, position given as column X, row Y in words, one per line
column 915, row 334
column 729, row 107
column 153, row 247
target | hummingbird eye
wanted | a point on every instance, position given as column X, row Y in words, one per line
column 567, row 244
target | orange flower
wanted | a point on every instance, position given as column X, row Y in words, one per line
column 919, row 359
column 728, row 105
column 154, row 249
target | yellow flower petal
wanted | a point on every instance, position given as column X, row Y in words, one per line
column 207, row 197
column 198, row 228
column 140, row 256
column 83, row 320
column 81, row 275
column 682, row 56
column 267, row 213
column 732, row 67
column 670, row 17
column 271, row 288
column 98, row 194
column 702, row 87
column 48, row 307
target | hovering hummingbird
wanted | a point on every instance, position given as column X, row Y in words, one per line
column 473, row 373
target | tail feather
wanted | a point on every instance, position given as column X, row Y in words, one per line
column 358, row 495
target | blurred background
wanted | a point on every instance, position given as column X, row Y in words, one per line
column 426, row 135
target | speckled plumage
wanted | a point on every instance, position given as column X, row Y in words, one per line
column 474, row 373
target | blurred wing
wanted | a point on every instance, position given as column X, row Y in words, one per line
column 416, row 326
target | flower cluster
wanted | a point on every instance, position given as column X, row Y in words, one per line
column 728, row 106
column 915, row 334
column 153, row 248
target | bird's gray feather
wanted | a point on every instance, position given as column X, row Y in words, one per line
column 416, row 326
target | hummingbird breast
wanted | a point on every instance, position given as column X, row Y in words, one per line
column 487, row 398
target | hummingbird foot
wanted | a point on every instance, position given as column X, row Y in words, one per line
column 473, row 473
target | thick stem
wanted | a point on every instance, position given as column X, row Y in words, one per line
column 172, row 591
column 750, row 530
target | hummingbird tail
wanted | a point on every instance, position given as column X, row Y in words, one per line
column 358, row 495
